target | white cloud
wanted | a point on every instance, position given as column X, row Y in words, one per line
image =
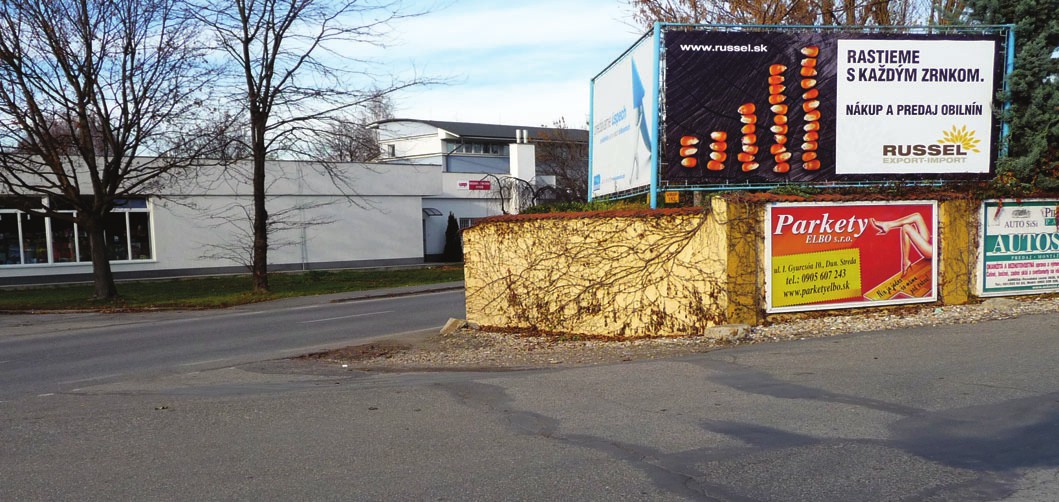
column 531, row 104
column 521, row 64
column 475, row 25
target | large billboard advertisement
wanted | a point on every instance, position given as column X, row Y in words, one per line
column 623, row 122
column 843, row 255
column 779, row 106
column 1019, row 247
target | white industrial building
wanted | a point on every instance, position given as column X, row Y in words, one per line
column 392, row 212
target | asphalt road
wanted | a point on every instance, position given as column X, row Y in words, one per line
column 956, row 413
column 60, row 353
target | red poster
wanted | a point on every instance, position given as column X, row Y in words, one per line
column 826, row 256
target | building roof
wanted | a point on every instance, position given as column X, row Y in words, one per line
column 471, row 130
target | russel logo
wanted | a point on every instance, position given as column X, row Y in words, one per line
column 952, row 148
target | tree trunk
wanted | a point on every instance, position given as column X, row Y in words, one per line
column 260, row 258
column 102, row 277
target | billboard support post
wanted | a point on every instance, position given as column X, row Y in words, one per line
column 655, row 129
column 1005, row 125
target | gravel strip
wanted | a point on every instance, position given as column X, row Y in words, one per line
column 468, row 349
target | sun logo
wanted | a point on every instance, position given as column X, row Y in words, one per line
column 961, row 136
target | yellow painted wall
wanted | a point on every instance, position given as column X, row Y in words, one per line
column 958, row 243
column 651, row 273
column 626, row 275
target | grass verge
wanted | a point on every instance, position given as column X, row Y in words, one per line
column 224, row 291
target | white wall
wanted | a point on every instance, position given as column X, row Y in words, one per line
column 376, row 217
column 413, row 141
column 461, row 202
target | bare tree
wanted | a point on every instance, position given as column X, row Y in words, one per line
column 515, row 195
column 95, row 96
column 347, row 138
column 803, row 12
column 291, row 69
column 563, row 152
column 231, row 221
column 222, row 137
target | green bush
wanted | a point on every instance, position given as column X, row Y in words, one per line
column 585, row 207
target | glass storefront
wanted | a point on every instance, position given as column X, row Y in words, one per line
column 27, row 239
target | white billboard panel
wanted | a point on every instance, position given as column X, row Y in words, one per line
column 623, row 105
column 914, row 106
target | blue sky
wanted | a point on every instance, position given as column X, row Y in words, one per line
column 517, row 63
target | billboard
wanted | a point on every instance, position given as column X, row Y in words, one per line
column 778, row 106
column 623, row 121
column 843, row 255
column 1019, row 247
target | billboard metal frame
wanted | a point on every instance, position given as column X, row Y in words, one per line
column 658, row 143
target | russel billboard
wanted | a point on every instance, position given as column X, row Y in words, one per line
column 776, row 106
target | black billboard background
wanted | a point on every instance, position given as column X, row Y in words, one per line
column 703, row 91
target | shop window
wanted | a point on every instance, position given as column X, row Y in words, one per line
column 116, row 232
column 64, row 241
column 84, row 245
column 27, row 238
column 139, row 236
column 10, row 247
column 34, row 239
